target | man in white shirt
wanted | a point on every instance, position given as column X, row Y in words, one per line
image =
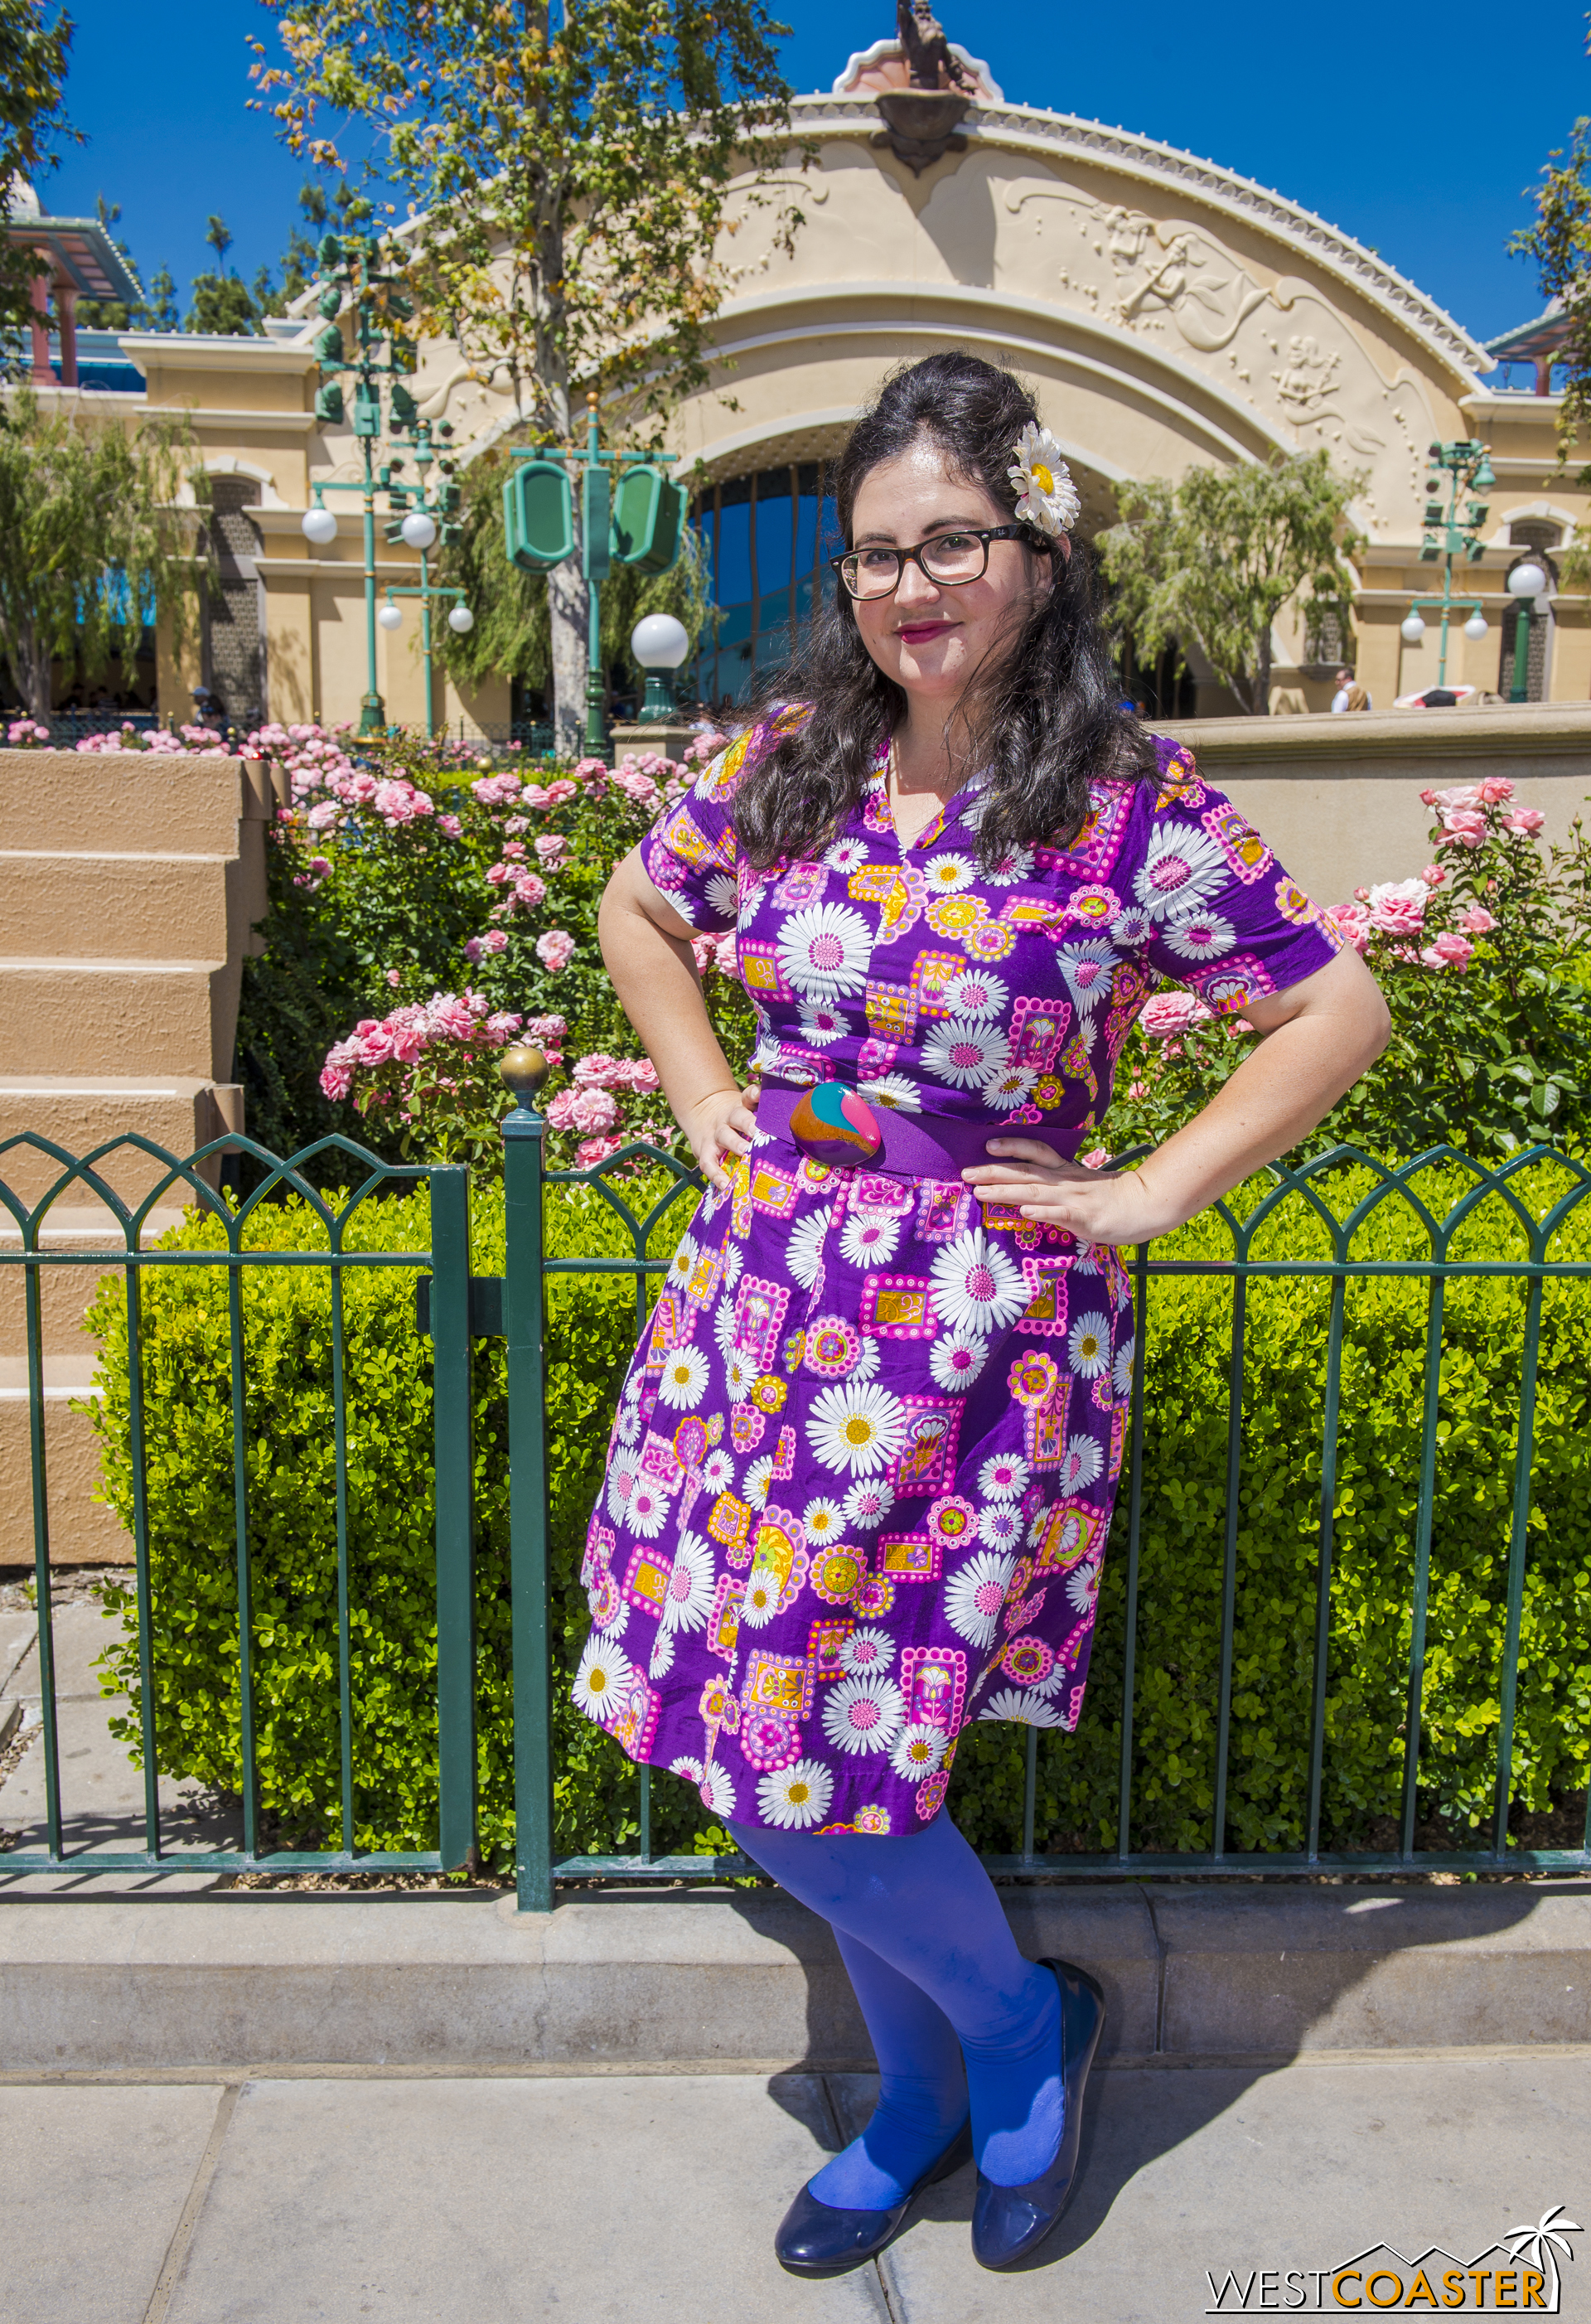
column 1350, row 694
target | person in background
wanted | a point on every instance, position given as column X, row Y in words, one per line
column 1350, row 694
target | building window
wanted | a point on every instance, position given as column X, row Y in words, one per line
column 764, row 538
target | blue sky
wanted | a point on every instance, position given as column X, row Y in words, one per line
column 1355, row 130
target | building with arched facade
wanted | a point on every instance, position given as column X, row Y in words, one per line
column 1167, row 311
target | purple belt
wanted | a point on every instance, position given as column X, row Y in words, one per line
column 911, row 1146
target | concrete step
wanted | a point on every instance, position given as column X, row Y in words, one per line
column 81, row 1112
column 127, row 904
column 79, row 799
column 65, row 1291
column 82, row 1532
column 91, row 1017
column 1195, row 1972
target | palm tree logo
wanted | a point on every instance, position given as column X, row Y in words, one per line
column 1539, row 2247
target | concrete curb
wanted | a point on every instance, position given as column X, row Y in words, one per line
column 1193, row 1973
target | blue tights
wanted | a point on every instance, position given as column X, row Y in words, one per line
column 958, row 2017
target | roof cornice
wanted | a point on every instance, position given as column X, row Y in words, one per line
column 193, row 351
column 1058, row 135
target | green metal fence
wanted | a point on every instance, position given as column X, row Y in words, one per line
column 447, row 1262
column 461, row 1307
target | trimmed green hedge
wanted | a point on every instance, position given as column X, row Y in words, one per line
column 591, row 1331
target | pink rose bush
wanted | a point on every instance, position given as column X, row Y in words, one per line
column 482, row 880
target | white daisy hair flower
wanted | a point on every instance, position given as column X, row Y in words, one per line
column 1046, row 497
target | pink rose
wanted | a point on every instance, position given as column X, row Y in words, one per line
column 323, row 817
column 496, row 790
column 1524, row 819
column 478, row 947
column 595, row 1150
column 562, row 790
column 534, row 794
column 597, row 1071
column 1172, row 1012
column 1397, row 907
column 1350, row 921
column 529, row 889
column 543, row 1029
column 555, row 950
column 1476, row 921
column 593, row 1110
column 552, row 847
column 1448, row 951
column 1095, row 1159
column 1496, row 789
column 1434, row 876
column 498, row 874
column 451, row 825
column 1463, row 827
column 591, row 770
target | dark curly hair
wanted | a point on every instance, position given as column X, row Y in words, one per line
column 1042, row 724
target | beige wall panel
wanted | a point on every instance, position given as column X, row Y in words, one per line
column 290, row 648
column 1338, row 798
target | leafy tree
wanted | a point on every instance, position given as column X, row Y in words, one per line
column 512, row 632
column 1560, row 243
column 32, row 75
column 222, row 301
column 92, row 545
column 1211, row 561
column 159, row 309
column 566, row 184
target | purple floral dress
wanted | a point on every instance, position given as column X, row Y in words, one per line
column 863, row 1465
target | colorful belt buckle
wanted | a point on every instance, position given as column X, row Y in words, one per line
column 833, row 1125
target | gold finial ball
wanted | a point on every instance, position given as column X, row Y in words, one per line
column 524, row 1069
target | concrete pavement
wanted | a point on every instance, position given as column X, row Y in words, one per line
column 501, row 2199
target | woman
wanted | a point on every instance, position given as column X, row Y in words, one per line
column 863, row 1465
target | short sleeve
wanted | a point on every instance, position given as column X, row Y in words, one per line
column 1225, row 918
column 690, row 853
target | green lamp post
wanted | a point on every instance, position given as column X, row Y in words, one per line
column 424, row 519
column 1462, row 470
column 632, row 512
column 355, row 275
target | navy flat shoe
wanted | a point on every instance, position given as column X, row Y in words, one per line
column 1009, row 2222
column 817, row 2239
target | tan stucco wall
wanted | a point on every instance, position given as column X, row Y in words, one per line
column 1338, row 796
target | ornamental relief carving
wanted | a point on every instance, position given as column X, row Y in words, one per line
column 1172, row 282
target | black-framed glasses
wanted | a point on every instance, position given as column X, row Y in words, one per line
column 950, row 559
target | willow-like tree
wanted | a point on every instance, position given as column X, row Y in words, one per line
column 1211, row 562
column 93, row 546
column 567, row 185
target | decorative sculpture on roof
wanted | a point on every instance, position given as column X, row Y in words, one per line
column 933, row 61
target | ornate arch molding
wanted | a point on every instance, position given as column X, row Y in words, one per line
column 1061, row 136
column 821, row 317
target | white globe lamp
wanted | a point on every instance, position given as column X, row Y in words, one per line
column 1475, row 628
column 658, row 643
column 419, row 529
column 1412, row 629
column 319, row 525
column 391, row 617
column 461, row 619
column 1527, row 580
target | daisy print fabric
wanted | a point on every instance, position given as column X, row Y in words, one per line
column 862, row 1467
